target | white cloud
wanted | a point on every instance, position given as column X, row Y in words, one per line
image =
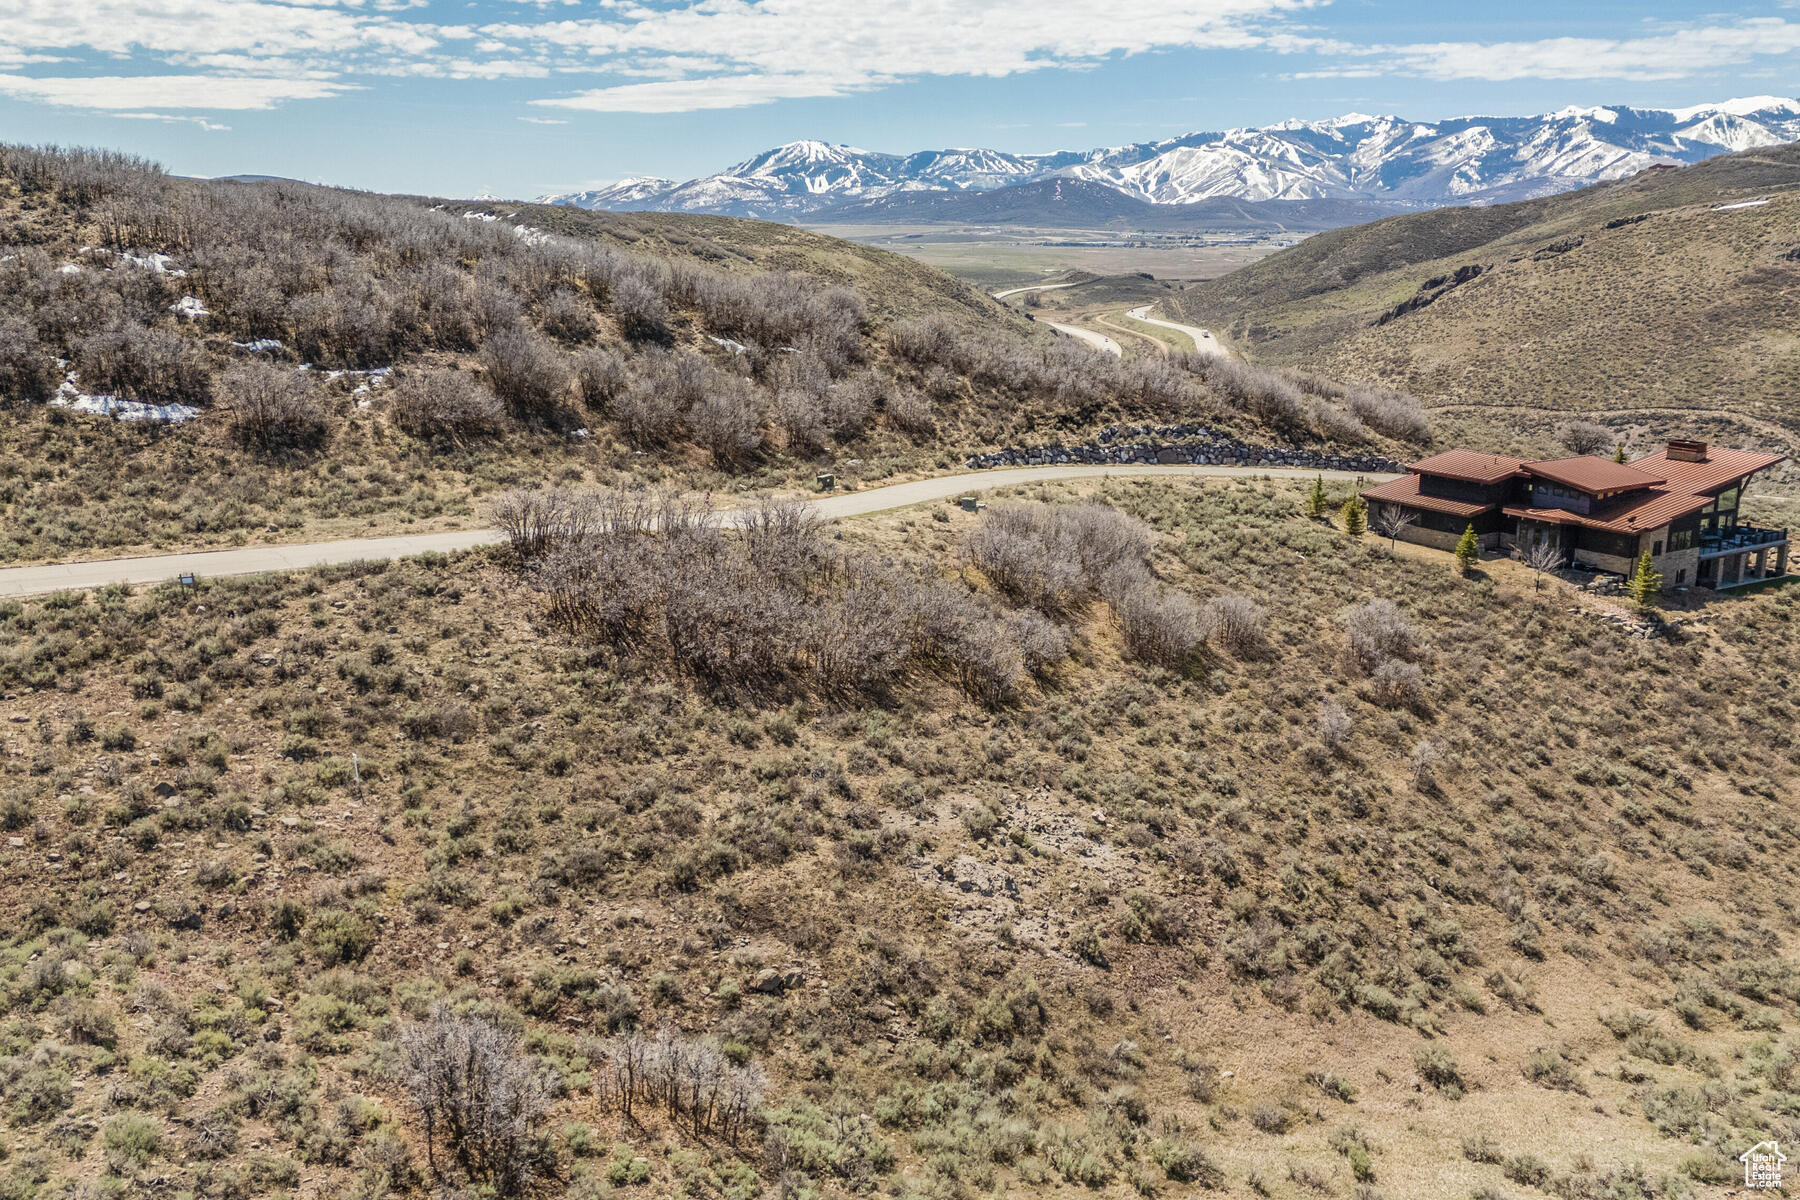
column 672, row 56
column 202, row 122
column 754, row 53
column 543, row 121
column 167, row 91
column 1671, row 54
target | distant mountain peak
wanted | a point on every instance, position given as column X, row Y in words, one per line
column 1355, row 156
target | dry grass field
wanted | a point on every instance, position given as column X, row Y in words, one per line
column 1473, row 895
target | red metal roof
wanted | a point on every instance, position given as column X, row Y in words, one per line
column 1468, row 465
column 1639, row 512
column 1591, row 473
column 1720, row 467
column 1653, row 491
column 1405, row 490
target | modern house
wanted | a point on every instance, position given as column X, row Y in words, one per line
column 1680, row 505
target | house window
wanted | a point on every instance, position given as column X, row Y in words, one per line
column 1681, row 575
column 1680, row 539
column 1656, row 551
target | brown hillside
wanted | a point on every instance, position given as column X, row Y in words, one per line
column 1646, row 304
column 1479, row 894
column 350, row 362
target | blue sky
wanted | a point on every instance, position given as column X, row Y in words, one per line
column 452, row 97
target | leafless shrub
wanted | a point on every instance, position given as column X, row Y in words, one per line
column 639, row 306
column 1424, row 761
column 28, row 372
column 1237, row 623
column 762, row 609
column 688, row 1078
column 1399, row 684
column 1055, row 557
column 782, row 540
column 273, row 409
column 648, row 415
column 1335, row 424
column 1335, row 725
column 849, row 405
column 1160, row 625
column 151, row 365
column 530, row 377
column 910, row 411
column 802, row 424
column 800, row 387
column 727, row 420
column 600, row 377
column 568, row 317
column 475, row 1087
column 1269, row 397
column 1379, row 631
column 1042, row 642
column 537, row 520
column 1583, row 437
column 449, row 405
column 1394, row 414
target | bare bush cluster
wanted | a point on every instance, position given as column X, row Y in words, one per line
column 445, row 405
column 1237, row 623
column 762, row 607
column 1393, row 414
column 1056, row 558
column 28, row 373
column 1583, row 437
column 689, row 1078
column 273, row 409
column 1379, row 630
column 478, row 1090
column 1386, row 646
column 1074, row 377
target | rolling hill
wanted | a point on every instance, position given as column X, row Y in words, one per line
column 185, row 363
column 1668, row 300
column 1061, row 203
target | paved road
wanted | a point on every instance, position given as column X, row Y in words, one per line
column 255, row 560
column 1036, row 287
column 1098, row 340
column 1204, row 341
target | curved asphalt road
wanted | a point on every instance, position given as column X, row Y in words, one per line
column 256, row 560
column 1097, row 340
column 1204, row 341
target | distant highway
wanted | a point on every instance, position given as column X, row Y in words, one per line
column 1204, row 341
column 257, row 560
column 1036, row 287
column 1098, row 340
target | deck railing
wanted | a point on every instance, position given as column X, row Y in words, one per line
column 1744, row 537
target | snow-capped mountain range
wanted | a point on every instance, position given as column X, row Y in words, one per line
column 1466, row 160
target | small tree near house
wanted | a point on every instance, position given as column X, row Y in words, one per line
column 1316, row 499
column 1356, row 516
column 1619, row 453
column 1393, row 521
column 1468, row 551
column 1645, row 583
column 1543, row 556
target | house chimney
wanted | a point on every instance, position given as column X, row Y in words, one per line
column 1681, row 450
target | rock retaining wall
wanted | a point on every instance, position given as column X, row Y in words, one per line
column 1182, row 444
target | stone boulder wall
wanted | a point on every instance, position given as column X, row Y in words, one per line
column 1182, row 444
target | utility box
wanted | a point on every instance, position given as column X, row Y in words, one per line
column 971, row 504
column 827, row 481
